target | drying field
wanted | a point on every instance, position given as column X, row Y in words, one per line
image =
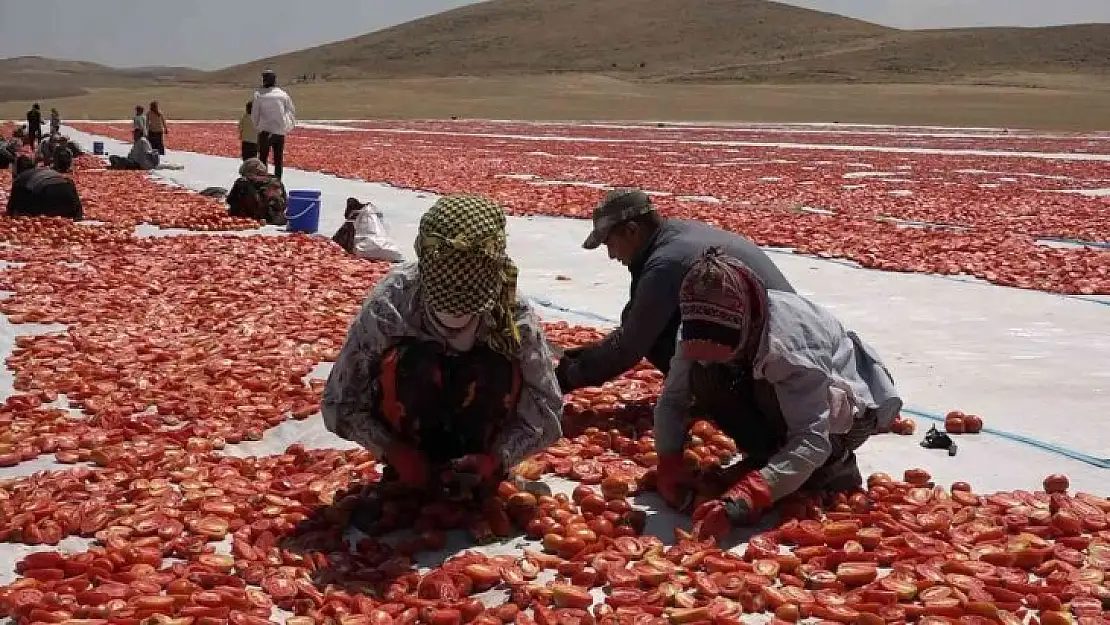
column 147, row 375
column 973, row 203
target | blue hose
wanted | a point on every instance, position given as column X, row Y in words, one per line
column 1101, row 463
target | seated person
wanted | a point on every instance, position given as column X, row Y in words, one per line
column 345, row 236
column 142, row 157
column 446, row 375
column 9, row 150
column 45, row 152
column 63, row 161
column 257, row 194
column 42, row 192
column 779, row 374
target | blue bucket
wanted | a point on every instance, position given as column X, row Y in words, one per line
column 303, row 211
column 98, row 148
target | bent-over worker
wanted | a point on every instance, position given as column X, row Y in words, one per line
column 446, row 374
column 658, row 252
column 780, row 375
column 257, row 195
column 42, row 192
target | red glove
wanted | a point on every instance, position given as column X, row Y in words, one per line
column 740, row 505
column 753, row 491
column 411, row 465
column 673, row 480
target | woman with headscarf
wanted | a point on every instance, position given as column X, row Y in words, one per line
column 446, row 374
column 257, row 194
column 780, row 375
column 157, row 128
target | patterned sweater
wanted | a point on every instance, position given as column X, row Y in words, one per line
column 393, row 311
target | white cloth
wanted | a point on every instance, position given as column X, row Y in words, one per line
column 273, row 111
column 372, row 240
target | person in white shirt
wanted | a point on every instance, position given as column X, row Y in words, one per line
column 274, row 117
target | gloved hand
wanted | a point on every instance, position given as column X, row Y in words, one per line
column 409, row 463
column 740, row 505
column 674, row 482
column 470, row 472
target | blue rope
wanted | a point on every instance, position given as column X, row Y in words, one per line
column 1101, row 463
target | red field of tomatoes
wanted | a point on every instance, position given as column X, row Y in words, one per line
column 990, row 222
column 178, row 347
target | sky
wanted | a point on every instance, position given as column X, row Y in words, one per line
column 210, row 34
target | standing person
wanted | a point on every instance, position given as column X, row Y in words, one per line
column 780, row 375
column 138, row 125
column 34, row 124
column 446, row 375
column 247, row 134
column 55, row 121
column 658, row 252
column 157, row 128
column 274, row 117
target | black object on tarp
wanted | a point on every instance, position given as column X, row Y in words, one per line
column 935, row 439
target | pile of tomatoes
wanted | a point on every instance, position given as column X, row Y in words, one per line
column 998, row 205
column 176, row 348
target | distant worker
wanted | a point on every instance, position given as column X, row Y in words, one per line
column 42, row 192
column 63, row 160
column 142, row 157
column 156, row 128
column 138, row 124
column 47, row 147
column 55, row 121
column 274, row 117
column 247, row 134
column 34, row 124
column 9, row 150
column 257, row 194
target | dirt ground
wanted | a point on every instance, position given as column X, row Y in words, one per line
column 1041, row 102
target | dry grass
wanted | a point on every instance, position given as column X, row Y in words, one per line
column 1053, row 102
column 684, row 40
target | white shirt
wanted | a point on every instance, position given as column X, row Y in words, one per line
column 273, row 111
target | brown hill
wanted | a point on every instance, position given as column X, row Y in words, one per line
column 34, row 77
column 687, row 40
column 641, row 37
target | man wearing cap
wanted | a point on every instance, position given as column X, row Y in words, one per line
column 658, row 252
column 274, row 116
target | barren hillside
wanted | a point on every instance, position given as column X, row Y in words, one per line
column 711, row 40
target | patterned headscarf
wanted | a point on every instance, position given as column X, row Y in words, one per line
column 724, row 310
column 253, row 167
column 463, row 266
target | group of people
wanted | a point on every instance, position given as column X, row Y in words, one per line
column 151, row 125
column 269, row 117
column 33, row 133
column 40, row 184
column 447, row 376
column 43, row 191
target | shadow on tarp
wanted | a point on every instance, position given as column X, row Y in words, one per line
column 414, row 533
